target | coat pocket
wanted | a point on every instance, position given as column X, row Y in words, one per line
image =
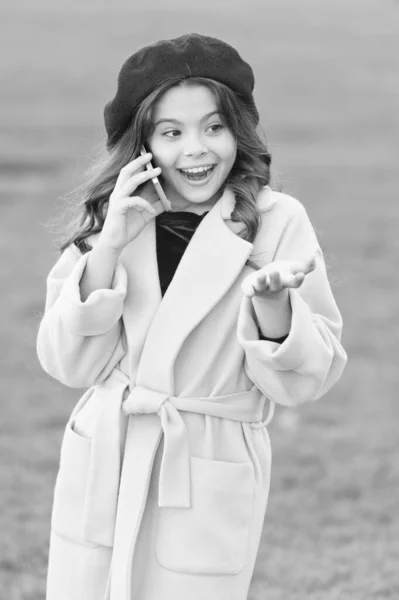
column 87, row 485
column 212, row 536
column 70, row 493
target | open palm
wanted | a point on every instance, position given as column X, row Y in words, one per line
column 277, row 276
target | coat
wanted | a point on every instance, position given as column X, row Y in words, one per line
column 165, row 462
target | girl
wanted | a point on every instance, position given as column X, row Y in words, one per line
column 184, row 326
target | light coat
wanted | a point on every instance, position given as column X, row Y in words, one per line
column 165, row 465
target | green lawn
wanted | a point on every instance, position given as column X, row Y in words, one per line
column 327, row 88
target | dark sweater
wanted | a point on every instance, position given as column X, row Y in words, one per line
column 174, row 231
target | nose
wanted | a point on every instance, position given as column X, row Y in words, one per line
column 194, row 147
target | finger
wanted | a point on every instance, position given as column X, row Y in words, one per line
column 275, row 281
column 136, row 180
column 292, row 281
column 247, row 286
column 309, row 264
column 158, row 209
column 260, row 281
column 305, row 266
column 134, row 166
column 140, row 205
column 298, row 279
column 257, row 282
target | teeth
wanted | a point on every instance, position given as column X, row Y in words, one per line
column 197, row 169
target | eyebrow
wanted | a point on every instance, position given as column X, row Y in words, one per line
column 214, row 112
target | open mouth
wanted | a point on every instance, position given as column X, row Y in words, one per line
column 197, row 173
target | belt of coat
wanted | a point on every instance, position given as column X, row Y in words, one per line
column 174, row 479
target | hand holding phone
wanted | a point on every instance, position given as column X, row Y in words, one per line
column 158, row 188
column 128, row 214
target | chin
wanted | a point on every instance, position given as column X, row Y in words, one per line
column 198, row 196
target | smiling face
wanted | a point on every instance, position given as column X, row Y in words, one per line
column 194, row 148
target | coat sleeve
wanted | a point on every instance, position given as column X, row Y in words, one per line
column 79, row 343
column 311, row 359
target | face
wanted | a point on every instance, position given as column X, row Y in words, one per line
column 193, row 147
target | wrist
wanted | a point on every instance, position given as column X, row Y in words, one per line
column 268, row 298
column 273, row 314
column 102, row 247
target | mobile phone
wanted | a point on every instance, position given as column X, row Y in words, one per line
column 158, row 188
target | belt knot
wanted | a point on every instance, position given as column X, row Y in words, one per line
column 174, row 480
column 143, row 401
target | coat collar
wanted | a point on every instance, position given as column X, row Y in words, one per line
column 211, row 263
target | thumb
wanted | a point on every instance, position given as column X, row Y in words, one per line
column 306, row 266
column 310, row 263
column 158, row 207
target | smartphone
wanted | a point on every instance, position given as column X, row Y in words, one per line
column 158, row 188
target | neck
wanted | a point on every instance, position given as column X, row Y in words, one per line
column 198, row 209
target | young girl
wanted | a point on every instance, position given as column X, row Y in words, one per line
column 186, row 326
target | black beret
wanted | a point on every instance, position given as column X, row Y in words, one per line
column 190, row 55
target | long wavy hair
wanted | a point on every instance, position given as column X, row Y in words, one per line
column 250, row 172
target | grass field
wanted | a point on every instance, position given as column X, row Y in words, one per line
column 327, row 88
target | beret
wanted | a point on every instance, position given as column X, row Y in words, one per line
column 190, row 55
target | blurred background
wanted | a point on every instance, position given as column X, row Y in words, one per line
column 327, row 89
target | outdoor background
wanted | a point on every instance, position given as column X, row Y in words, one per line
column 327, row 89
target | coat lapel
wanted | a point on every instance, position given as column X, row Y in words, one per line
column 210, row 265
column 144, row 291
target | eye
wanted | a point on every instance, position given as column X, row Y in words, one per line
column 215, row 127
column 172, row 133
